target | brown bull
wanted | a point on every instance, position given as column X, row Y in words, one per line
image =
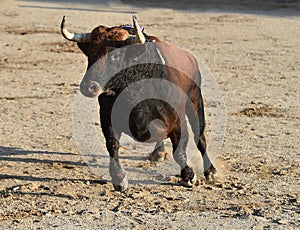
column 153, row 85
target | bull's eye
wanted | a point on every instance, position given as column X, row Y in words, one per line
column 115, row 57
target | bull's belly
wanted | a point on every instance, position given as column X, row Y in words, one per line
column 149, row 121
column 147, row 130
column 146, row 122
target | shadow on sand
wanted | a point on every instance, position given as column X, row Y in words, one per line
column 10, row 154
column 14, row 155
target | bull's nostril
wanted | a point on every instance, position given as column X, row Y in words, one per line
column 90, row 88
column 93, row 87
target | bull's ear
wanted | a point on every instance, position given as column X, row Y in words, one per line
column 135, row 50
column 84, row 47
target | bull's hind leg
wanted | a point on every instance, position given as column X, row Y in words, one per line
column 209, row 169
column 197, row 120
column 159, row 153
column 179, row 139
column 117, row 173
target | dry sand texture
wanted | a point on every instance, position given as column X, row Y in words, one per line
column 252, row 50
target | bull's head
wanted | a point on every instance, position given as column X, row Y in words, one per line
column 98, row 46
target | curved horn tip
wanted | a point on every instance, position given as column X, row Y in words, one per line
column 63, row 19
column 62, row 24
column 139, row 33
column 134, row 20
column 63, row 31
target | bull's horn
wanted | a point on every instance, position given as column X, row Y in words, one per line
column 85, row 37
column 139, row 34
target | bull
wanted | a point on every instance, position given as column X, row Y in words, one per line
column 124, row 62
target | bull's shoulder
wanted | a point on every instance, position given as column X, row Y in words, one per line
column 178, row 58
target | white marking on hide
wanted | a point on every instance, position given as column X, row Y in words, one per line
column 161, row 57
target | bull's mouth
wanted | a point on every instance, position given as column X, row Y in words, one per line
column 90, row 88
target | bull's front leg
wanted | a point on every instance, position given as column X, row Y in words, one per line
column 179, row 139
column 117, row 173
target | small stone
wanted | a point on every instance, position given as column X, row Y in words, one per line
column 44, row 187
column 16, row 221
column 260, row 219
column 219, row 185
column 293, row 200
column 16, row 188
column 81, row 212
column 283, row 221
column 103, row 193
column 278, row 172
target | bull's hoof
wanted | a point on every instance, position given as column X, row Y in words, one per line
column 121, row 186
column 191, row 182
column 189, row 178
column 159, row 156
column 210, row 174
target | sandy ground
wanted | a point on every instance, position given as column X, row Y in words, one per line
column 46, row 182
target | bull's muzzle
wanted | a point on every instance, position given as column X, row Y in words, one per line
column 90, row 88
